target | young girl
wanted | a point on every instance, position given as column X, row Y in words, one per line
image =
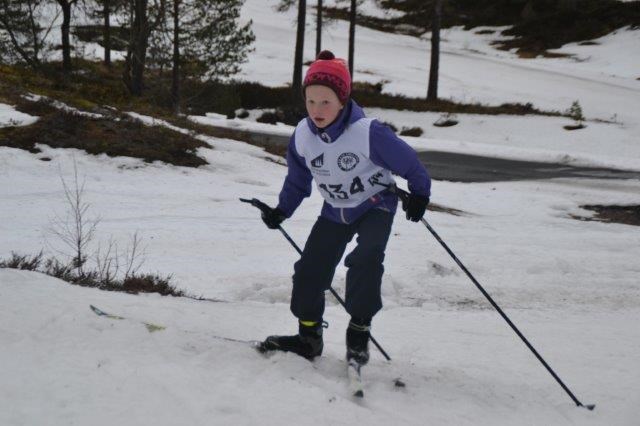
column 347, row 155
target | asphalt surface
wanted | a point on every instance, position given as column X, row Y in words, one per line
column 458, row 167
column 473, row 168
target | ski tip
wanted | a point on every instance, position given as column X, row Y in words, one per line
column 397, row 382
column 589, row 407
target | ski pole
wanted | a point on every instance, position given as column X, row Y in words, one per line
column 264, row 208
column 404, row 195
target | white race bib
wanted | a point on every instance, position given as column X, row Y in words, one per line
column 342, row 170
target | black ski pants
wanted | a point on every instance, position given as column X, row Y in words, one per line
column 322, row 252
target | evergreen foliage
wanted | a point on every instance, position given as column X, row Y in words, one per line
column 213, row 42
column 22, row 32
column 575, row 112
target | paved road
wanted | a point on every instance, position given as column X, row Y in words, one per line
column 474, row 168
column 458, row 167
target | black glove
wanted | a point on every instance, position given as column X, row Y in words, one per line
column 273, row 217
column 415, row 206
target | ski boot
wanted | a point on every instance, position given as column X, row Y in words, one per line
column 307, row 343
column 358, row 333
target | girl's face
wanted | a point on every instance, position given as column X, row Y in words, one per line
column 323, row 105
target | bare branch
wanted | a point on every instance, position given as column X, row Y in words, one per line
column 77, row 230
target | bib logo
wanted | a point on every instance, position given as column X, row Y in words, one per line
column 348, row 161
column 318, row 161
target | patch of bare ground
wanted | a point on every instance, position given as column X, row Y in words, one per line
column 628, row 215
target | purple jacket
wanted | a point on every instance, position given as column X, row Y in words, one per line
column 386, row 150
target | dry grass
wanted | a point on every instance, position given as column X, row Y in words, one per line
column 135, row 283
column 126, row 137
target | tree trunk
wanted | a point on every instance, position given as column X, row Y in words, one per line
column 352, row 35
column 133, row 75
column 297, row 65
column 568, row 5
column 175, row 83
column 528, row 13
column 66, row 44
column 106, row 33
column 432, row 91
column 319, row 29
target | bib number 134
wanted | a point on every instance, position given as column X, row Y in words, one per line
column 337, row 191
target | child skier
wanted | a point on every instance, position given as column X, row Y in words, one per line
column 347, row 155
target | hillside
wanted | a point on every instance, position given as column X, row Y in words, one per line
column 566, row 279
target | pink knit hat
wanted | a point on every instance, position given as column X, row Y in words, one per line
column 332, row 72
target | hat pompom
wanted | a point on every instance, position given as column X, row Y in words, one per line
column 326, row 55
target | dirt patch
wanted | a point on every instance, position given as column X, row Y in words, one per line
column 126, row 137
column 273, row 144
column 628, row 215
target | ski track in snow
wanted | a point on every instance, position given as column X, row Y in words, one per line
column 464, row 366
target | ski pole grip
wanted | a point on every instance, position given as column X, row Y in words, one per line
column 257, row 203
column 401, row 193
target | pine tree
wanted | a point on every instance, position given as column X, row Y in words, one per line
column 202, row 38
column 22, row 31
column 575, row 112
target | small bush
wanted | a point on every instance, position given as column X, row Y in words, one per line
column 368, row 87
column 53, row 267
column 242, row 113
column 150, row 283
column 25, row 262
column 411, row 131
column 575, row 112
column 289, row 115
column 135, row 283
column 268, row 117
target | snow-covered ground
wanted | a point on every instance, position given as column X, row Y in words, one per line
column 603, row 78
column 571, row 286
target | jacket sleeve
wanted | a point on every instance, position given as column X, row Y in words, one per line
column 389, row 151
column 297, row 184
